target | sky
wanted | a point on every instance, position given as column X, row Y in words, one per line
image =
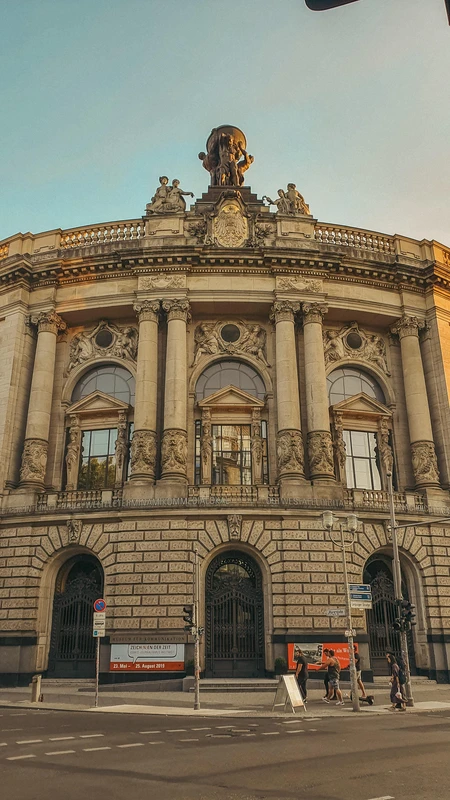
column 98, row 98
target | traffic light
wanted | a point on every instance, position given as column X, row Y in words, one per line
column 397, row 625
column 188, row 617
column 323, row 5
column 408, row 615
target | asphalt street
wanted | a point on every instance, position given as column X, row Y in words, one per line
column 73, row 755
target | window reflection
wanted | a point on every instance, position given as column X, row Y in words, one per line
column 229, row 373
column 98, row 461
column 112, row 380
column 346, row 382
column 362, row 470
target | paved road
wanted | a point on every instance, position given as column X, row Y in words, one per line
column 73, row 755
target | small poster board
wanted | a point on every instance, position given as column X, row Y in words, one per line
column 288, row 694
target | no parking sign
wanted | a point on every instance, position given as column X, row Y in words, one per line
column 99, row 605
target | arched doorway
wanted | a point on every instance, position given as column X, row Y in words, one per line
column 72, row 645
column 234, row 617
column 380, row 619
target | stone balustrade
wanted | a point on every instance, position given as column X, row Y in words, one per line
column 127, row 230
column 354, row 237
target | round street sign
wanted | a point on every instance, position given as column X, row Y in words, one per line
column 99, row 605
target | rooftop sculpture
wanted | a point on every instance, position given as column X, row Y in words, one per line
column 226, row 157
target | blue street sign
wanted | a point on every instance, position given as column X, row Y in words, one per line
column 360, row 587
column 360, row 596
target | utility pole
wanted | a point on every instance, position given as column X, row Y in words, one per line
column 197, row 633
column 352, row 523
column 398, row 591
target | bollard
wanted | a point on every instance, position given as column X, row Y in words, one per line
column 36, row 688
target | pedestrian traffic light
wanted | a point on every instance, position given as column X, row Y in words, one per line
column 408, row 615
column 323, row 5
column 188, row 617
column 397, row 625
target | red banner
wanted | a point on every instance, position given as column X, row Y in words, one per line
column 141, row 666
column 313, row 651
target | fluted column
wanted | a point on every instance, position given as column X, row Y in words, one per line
column 35, row 449
column 143, row 444
column 319, row 442
column 419, row 421
column 290, row 457
column 174, row 441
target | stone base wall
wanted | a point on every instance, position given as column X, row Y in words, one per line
column 147, row 560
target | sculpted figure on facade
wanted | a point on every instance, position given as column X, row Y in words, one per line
column 121, row 343
column 320, row 453
column 174, row 450
column 168, row 199
column 351, row 342
column 121, row 447
column 143, row 453
column 206, row 444
column 289, row 202
column 74, row 528
column 73, row 452
column 340, row 449
column 34, row 460
column 226, row 158
column 424, row 462
column 384, row 445
column 290, row 455
column 251, row 340
column 234, row 525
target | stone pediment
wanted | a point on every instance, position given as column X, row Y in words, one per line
column 97, row 402
column 362, row 404
column 231, row 396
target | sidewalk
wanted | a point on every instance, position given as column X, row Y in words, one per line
column 428, row 697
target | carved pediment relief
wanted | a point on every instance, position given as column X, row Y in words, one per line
column 231, row 396
column 351, row 342
column 230, row 337
column 104, row 340
column 362, row 404
column 98, row 403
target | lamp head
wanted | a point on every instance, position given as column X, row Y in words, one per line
column 352, row 523
column 327, row 520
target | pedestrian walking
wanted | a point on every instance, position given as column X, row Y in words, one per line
column 301, row 673
column 333, row 668
column 397, row 697
column 325, row 680
column 358, row 673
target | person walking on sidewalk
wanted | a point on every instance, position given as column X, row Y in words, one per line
column 333, row 668
column 325, row 680
column 301, row 673
column 358, row 673
column 396, row 696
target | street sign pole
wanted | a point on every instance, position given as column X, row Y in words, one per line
column 97, row 669
column 98, row 630
column 351, row 652
column 196, row 635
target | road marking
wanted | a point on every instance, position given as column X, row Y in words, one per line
column 200, row 729
column 92, row 749
column 10, row 730
column 188, row 740
column 90, row 735
column 160, row 742
column 273, row 733
column 385, row 797
column 59, row 752
column 60, row 738
column 133, row 744
column 240, row 730
column 28, row 741
column 223, row 727
column 3, row 744
column 249, row 734
column 290, row 722
column 147, row 732
column 297, row 731
column 18, row 715
column 17, row 758
column 176, row 730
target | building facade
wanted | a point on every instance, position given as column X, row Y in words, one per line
column 213, row 379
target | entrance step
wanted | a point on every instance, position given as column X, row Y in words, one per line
column 238, row 685
column 416, row 680
column 68, row 683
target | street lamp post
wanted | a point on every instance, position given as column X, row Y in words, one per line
column 398, row 591
column 352, row 523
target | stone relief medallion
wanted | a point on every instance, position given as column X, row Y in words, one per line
column 424, row 462
column 230, row 226
column 290, row 451
column 320, row 453
column 212, row 338
column 105, row 340
column 299, row 284
column 74, row 528
column 34, row 460
column 351, row 342
column 143, row 453
column 162, row 280
column 174, row 450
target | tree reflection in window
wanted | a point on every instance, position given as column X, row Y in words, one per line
column 98, row 461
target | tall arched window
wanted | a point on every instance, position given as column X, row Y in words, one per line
column 347, row 381
column 230, row 373
column 110, row 379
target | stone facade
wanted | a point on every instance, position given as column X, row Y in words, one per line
column 286, row 302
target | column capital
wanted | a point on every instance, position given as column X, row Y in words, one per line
column 177, row 309
column 314, row 312
column 408, row 326
column 48, row 321
column 284, row 310
column 147, row 310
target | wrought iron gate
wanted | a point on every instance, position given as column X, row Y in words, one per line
column 380, row 619
column 234, row 618
column 72, row 646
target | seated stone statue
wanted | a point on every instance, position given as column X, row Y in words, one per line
column 168, row 199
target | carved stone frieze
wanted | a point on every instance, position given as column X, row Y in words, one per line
column 250, row 339
column 177, row 309
column 48, row 321
column 320, row 453
column 162, row 280
column 147, row 310
column 34, row 460
column 143, row 453
column 74, row 528
column 408, row 326
column 113, row 341
column 234, row 525
column 290, row 456
column 351, row 342
column 174, row 450
column 230, row 226
column 424, row 463
column 284, row 310
column 314, row 312
column 296, row 283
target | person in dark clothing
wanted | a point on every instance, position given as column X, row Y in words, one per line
column 358, row 673
column 326, row 679
column 301, row 672
column 397, row 696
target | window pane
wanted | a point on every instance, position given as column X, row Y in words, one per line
column 99, row 443
column 359, row 443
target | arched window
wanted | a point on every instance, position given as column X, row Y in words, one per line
column 110, row 379
column 348, row 381
column 230, row 373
